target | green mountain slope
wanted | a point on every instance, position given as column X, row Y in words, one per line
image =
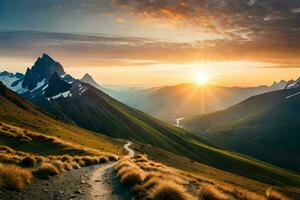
column 17, row 111
column 264, row 126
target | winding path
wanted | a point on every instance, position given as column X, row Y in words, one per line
column 104, row 183
column 87, row 183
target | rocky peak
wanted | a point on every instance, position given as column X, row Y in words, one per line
column 89, row 79
column 42, row 69
column 293, row 84
column 56, row 85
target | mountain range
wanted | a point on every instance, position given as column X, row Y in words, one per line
column 263, row 126
column 185, row 100
column 81, row 104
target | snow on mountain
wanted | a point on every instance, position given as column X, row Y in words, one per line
column 293, row 84
column 8, row 78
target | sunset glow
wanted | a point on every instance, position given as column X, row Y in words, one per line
column 202, row 78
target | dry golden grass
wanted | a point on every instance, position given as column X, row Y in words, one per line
column 132, row 177
column 75, row 165
column 27, row 162
column 45, row 171
column 273, row 194
column 14, row 177
column 67, row 166
column 90, row 160
column 58, row 165
column 113, row 158
column 66, row 158
column 167, row 190
column 155, row 176
column 210, row 192
column 103, row 159
column 124, row 163
column 146, row 186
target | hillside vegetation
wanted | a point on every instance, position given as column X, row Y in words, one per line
column 263, row 126
column 17, row 111
column 151, row 180
column 25, row 154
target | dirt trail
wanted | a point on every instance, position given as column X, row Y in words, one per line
column 104, row 183
column 88, row 183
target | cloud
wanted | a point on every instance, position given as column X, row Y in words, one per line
column 105, row 50
column 270, row 25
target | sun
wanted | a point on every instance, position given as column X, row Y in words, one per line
column 202, row 78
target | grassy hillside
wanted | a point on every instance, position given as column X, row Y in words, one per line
column 153, row 180
column 19, row 112
column 264, row 127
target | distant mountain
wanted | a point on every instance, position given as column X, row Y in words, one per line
column 9, row 78
column 87, row 78
column 293, row 84
column 264, row 126
column 184, row 100
column 94, row 110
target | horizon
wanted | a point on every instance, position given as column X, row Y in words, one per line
column 78, row 74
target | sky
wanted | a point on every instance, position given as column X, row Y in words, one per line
column 156, row 42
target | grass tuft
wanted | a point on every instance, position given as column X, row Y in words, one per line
column 103, row 159
column 27, row 162
column 169, row 190
column 273, row 194
column 209, row 192
column 132, row 176
column 67, row 166
column 13, row 177
column 113, row 158
column 45, row 171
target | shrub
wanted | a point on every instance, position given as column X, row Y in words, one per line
column 209, row 192
column 125, row 163
column 14, row 177
column 45, row 171
column 138, row 156
column 273, row 194
column 103, row 159
column 39, row 160
column 167, row 190
column 67, row 166
column 27, row 162
column 113, row 158
column 75, row 165
column 88, row 160
column 5, row 158
column 132, row 177
column 58, row 165
column 81, row 163
column 66, row 158
column 149, row 184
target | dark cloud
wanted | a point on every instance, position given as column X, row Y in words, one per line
column 128, row 51
column 250, row 25
column 262, row 30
